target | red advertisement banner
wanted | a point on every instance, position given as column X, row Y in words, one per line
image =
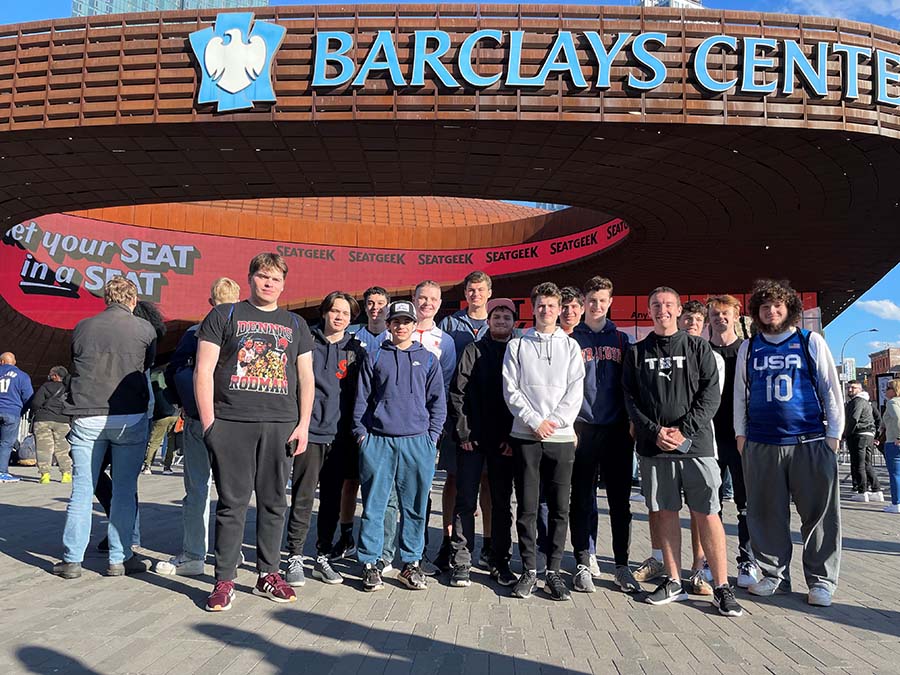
column 53, row 268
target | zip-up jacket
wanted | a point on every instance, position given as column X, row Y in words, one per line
column 336, row 366
column 672, row 381
column 858, row 418
column 401, row 393
column 16, row 390
column 110, row 352
column 48, row 402
column 476, row 394
column 460, row 328
column 543, row 379
column 602, row 353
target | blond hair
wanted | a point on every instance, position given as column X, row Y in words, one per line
column 895, row 386
column 120, row 290
column 224, row 290
column 724, row 300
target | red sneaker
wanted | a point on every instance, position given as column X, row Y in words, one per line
column 274, row 587
column 220, row 599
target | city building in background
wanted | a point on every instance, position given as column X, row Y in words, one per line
column 98, row 7
column 675, row 4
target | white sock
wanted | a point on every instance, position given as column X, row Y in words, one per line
column 657, row 553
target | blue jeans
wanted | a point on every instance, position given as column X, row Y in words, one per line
column 9, row 432
column 88, row 446
column 892, row 459
column 197, row 479
column 406, row 463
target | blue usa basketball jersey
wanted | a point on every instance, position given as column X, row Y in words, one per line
column 783, row 406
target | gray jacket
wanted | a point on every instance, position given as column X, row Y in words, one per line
column 110, row 352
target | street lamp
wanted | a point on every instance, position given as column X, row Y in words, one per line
column 867, row 330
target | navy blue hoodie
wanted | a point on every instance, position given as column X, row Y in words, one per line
column 336, row 367
column 602, row 353
column 401, row 393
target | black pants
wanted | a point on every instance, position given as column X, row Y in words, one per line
column 607, row 449
column 864, row 478
column 729, row 460
column 248, row 457
column 320, row 465
column 533, row 462
column 469, row 467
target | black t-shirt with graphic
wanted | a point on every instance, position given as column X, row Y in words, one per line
column 256, row 377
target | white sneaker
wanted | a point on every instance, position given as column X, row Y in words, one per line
column 892, row 508
column 180, row 565
column 860, row 497
column 748, row 574
column 876, row 496
column 637, row 497
column 819, row 596
column 594, row 566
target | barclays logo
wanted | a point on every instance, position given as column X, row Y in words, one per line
column 236, row 62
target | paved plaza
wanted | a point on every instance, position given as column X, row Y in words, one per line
column 155, row 625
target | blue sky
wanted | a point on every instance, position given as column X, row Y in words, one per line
column 878, row 308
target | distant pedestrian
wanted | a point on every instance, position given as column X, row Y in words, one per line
column 51, row 425
column 15, row 394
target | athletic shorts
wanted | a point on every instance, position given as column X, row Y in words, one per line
column 664, row 479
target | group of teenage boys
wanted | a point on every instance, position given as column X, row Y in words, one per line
column 542, row 412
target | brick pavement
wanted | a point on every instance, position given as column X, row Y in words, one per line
column 156, row 625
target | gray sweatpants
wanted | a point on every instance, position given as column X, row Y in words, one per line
column 808, row 474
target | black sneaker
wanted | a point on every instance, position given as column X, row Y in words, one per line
column 555, row 586
column 411, row 575
column 723, row 598
column 134, row 565
column 484, row 558
column 372, row 578
column 525, row 585
column 344, row 548
column 668, row 591
column 442, row 561
column 459, row 576
column 503, row 575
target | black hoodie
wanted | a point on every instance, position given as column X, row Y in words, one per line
column 672, row 381
column 336, row 367
column 48, row 401
column 479, row 410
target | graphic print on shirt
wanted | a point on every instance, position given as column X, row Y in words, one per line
column 261, row 363
column 664, row 365
column 598, row 353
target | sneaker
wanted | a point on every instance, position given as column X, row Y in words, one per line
column 484, row 558
column 698, row 585
column 876, row 496
column 748, row 574
column 323, row 571
column 768, row 586
column 344, row 548
column 428, row 568
column 459, row 576
column 293, row 575
column 819, row 595
column 503, row 575
column 625, row 580
column 136, row 564
column 66, row 477
column 594, row 567
column 145, row 470
column 274, row 587
column 525, row 585
column 372, row 578
column 168, row 472
column 707, row 573
column 67, row 570
column 892, row 508
column 668, row 591
column 442, row 561
column 180, row 565
column 555, row 586
column 723, row 598
column 8, row 478
column 385, row 568
column 860, row 497
column 649, row 570
column 583, row 581
column 44, row 479
column 412, row 576
column 637, row 497
column 220, row 599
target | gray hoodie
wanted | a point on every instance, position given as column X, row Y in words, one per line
column 543, row 378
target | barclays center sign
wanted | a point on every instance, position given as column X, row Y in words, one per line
column 236, row 58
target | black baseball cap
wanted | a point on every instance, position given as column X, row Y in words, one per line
column 401, row 308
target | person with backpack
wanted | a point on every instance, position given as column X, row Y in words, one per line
column 51, row 425
column 398, row 417
column 859, row 433
column 179, row 375
column 788, row 421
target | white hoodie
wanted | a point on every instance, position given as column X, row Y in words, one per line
column 543, row 378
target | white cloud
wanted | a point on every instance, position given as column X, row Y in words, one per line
column 883, row 309
column 850, row 9
column 883, row 345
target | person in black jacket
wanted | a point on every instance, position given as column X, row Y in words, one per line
column 671, row 393
column 337, row 356
column 859, row 432
column 51, row 425
column 482, row 422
